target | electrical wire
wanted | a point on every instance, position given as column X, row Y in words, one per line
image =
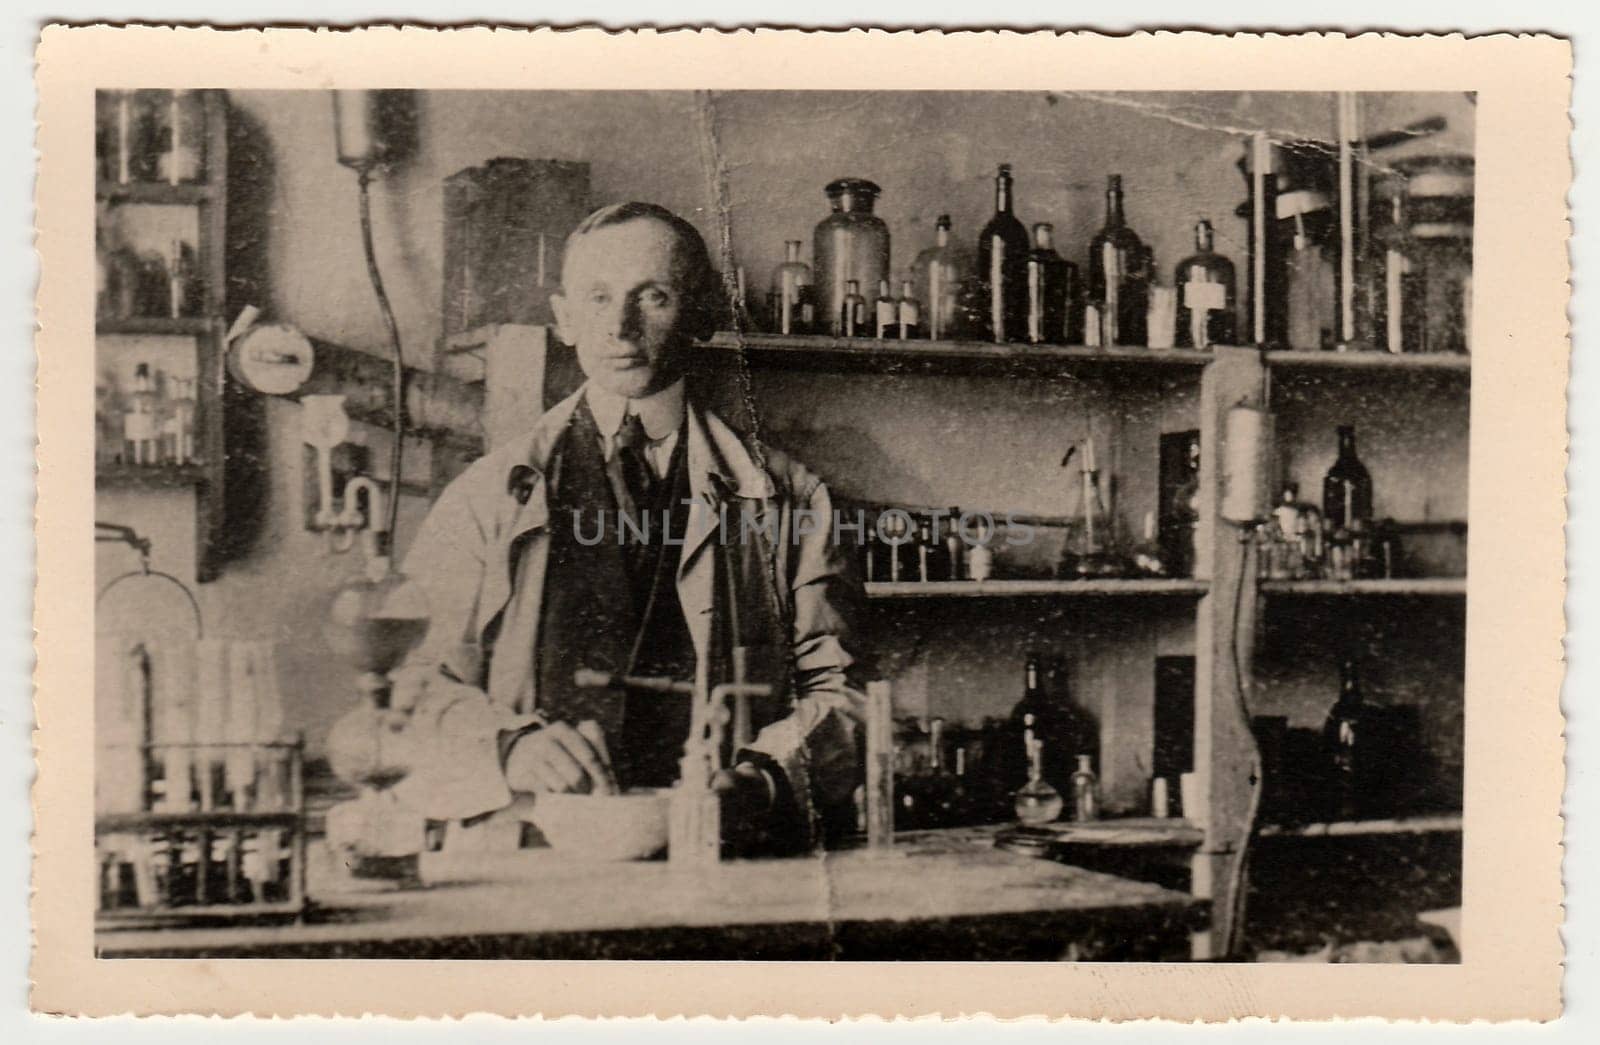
column 397, row 451
column 1236, row 878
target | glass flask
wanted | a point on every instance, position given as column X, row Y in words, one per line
column 791, row 303
column 1091, row 548
column 851, row 243
column 1036, row 801
column 937, row 278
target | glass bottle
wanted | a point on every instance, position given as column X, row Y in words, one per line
column 1400, row 311
column 852, row 320
column 1147, row 559
column 180, row 280
column 1286, row 562
column 1347, row 488
column 1047, row 289
column 908, row 313
column 938, row 279
column 1206, row 294
column 183, row 139
column 1342, row 738
column 895, row 529
column 183, row 415
column 1085, row 791
column 980, row 552
column 148, row 133
column 139, row 422
column 1119, row 274
column 954, row 564
column 107, row 418
column 1003, row 266
column 885, row 313
column 792, row 301
column 1036, row 801
column 871, row 554
column 849, row 244
column 928, row 552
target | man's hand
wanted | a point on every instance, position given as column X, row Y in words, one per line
column 561, row 758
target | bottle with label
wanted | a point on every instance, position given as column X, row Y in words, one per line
column 183, row 411
column 1206, row 288
column 139, row 423
column 937, row 276
column 182, row 139
column 1085, row 791
column 1003, row 266
column 791, row 302
column 1119, row 274
column 1048, row 288
column 1343, row 736
column 1285, row 562
column 930, row 553
column 885, row 313
column 908, row 313
column 979, row 554
column 1347, row 488
column 851, row 243
column 852, row 311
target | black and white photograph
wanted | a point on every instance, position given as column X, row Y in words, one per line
column 803, row 525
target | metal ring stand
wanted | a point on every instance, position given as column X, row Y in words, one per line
column 111, row 532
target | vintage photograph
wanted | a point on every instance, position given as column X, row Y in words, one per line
column 708, row 524
column 616, row 519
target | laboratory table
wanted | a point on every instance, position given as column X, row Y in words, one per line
column 945, row 895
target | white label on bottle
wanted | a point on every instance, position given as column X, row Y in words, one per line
column 1203, row 297
column 1035, row 301
column 1393, row 301
column 1112, row 258
column 886, row 315
column 997, row 311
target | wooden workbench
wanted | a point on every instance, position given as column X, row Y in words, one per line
column 946, row 895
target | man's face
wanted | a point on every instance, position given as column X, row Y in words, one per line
column 622, row 305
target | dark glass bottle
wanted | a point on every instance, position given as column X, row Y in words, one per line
column 1047, row 288
column 1206, row 295
column 1343, row 738
column 1003, row 266
column 1052, row 727
column 1119, row 274
column 1347, row 488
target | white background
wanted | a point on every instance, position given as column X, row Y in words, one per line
column 20, row 28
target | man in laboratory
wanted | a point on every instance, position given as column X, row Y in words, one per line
column 533, row 572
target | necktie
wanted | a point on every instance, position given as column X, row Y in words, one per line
column 636, row 473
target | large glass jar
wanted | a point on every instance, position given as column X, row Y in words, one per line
column 850, row 244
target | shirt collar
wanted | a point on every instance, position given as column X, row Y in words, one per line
column 661, row 413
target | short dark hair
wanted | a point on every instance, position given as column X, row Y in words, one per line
column 691, row 257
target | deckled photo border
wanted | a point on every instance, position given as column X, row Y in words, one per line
column 1515, row 622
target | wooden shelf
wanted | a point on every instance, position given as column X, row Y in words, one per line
column 157, row 193
column 1448, row 586
column 842, row 353
column 1450, row 362
column 117, row 823
column 1034, row 588
column 151, row 477
column 186, row 326
column 1439, row 823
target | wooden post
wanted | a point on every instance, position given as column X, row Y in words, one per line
column 1225, row 752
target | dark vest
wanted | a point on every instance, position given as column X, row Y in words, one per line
column 614, row 608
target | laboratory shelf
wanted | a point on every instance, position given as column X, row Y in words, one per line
column 1437, row 823
column 1034, row 588
column 1447, row 362
column 183, row 326
column 157, row 193
column 155, row 477
column 810, row 352
column 1435, row 586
